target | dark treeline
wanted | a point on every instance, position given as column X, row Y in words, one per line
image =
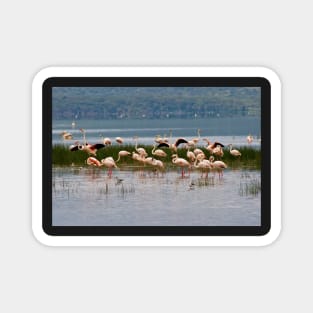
column 154, row 102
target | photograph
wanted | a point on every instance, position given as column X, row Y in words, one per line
column 156, row 156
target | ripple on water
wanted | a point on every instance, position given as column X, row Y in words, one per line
column 86, row 196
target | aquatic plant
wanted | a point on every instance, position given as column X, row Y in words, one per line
column 250, row 187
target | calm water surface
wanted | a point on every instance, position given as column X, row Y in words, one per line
column 87, row 196
column 225, row 130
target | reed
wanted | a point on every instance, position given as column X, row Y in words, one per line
column 250, row 187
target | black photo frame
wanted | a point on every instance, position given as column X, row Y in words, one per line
column 52, row 230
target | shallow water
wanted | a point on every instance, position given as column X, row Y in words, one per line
column 87, row 196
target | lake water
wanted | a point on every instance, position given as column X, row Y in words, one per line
column 87, row 196
column 225, row 130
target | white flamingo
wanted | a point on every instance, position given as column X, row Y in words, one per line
column 212, row 145
column 107, row 141
column 191, row 156
column 119, row 140
column 135, row 156
column 142, row 152
column 66, row 135
column 200, row 156
column 181, row 163
column 196, row 140
column 204, row 165
column 234, row 152
column 218, row 151
column 158, row 139
column 147, row 160
column 159, row 152
column 109, row 163
column 217, row 165
column 249, row 139
column 122, row 153
column 197, row 151
column 158, row 164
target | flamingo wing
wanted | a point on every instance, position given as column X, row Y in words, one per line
column 163, row 144
column 216, row 144
column 97, row 146
column 179, row 141
column 74, row 148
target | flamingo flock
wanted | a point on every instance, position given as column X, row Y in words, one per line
column 195, row 157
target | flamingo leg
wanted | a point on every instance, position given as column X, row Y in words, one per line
column 110, row 172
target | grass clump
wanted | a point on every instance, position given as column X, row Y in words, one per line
column 61, row 155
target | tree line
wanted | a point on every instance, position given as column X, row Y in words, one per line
column 154, row 102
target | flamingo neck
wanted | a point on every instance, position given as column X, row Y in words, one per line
column 136, row 140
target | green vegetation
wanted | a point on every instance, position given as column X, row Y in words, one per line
column 61, row 155
column 154, row 102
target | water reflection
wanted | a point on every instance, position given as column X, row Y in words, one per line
column 87, row 196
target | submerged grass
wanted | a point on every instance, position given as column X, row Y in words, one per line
column 61, row 155
column 250, row 187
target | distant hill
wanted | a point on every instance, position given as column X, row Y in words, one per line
column 154, row 102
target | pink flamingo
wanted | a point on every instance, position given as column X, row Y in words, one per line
column 93, row 161
column 181, row 163
column 158, row 152
column 234, row 152
column 212, row 145
column 109, row 163
column 90, row 149
column 204, row 165
column 217, row 165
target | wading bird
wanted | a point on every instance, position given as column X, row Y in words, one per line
column 212, row 145
column 109, row 163
column 119, row 140
column 158, row 139
column 173, row 146
column 158, row 152
column 205, row 166
column 158, row 163
column 135, row 156
column 200, row 156
column 181, row 163
column 107, row 141
column 217, row 165
column 218, row 151
column 197, row 151
column 90, row 149
column 93, row 161
column 121, row 154
column 66, row 135
column 191, row 156
column 142, row 152
column 249, row 138
column 196, row 140
column 234, row 152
